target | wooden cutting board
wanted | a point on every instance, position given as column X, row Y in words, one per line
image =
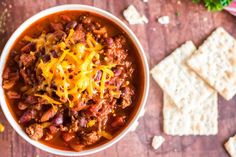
column 192, row 23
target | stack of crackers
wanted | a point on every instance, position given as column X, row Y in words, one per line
column 190, row 79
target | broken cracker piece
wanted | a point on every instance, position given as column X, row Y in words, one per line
column 215, row 62
column 157, row 141
column 230, row 146
column 133, row 17
column 183, row 85
column 164, row 20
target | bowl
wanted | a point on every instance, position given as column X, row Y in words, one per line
column 119, row 23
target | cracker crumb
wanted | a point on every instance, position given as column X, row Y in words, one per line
column 164, row 20
column 133, row 16
column 157, row 141
column 230, row 146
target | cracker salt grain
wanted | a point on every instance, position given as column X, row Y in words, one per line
column 215, row 62
column 185, row 88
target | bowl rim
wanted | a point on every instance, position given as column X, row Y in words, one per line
column 70, row 7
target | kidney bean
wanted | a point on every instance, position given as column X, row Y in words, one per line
column 71, row 25
column 56, row 26
column 27, row 116
column 46, row 58
column 54, row 54
column 119, row 121
column 117, row 72
column 58, row 119
column 109, row 42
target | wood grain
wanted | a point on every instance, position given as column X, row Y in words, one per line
column 193, row 23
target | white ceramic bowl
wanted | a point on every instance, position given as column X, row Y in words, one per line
column 35, row 18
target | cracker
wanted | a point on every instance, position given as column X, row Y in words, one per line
column 230, row 146
column 185, row 88
column 199, row 121
column 215, row 62
column 132, row 15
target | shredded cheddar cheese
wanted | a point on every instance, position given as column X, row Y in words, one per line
column 49, row 100
column 2, row 128
column 73, row 72
column 105, row 134
column 91, row 123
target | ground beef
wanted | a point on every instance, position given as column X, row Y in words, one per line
column 13, row 95
column 68, row 136
column 29, row 47
column 35, row 131
column 126, row 98
column 91, row 138
column 53, row 129
column 30, row 99
column 27, row 60
column 6, row 73
column 25, row 76
column 22, row 106
column 48, row 137
column 79, row 34
column 74, row 127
